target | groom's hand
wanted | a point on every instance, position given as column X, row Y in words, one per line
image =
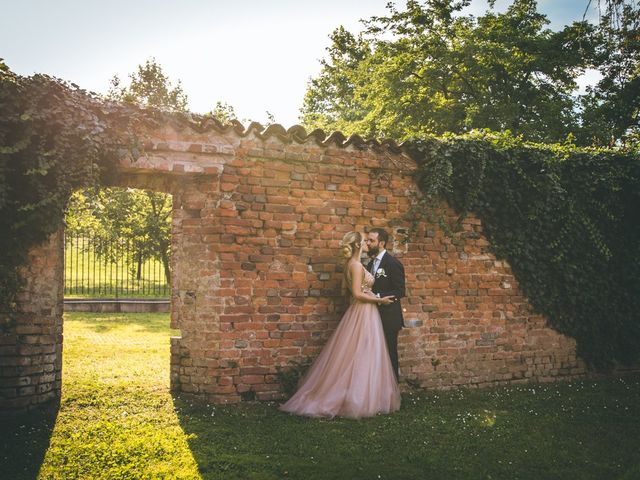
column 388, row 300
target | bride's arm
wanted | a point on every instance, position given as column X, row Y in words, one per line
column 355, row 271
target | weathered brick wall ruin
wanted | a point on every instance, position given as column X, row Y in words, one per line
column 257, row 220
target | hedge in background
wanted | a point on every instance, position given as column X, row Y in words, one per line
column 566, row 219
column 54, row 138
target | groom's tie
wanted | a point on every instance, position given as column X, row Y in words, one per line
column 374, row 265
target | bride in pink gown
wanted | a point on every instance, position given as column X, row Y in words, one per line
column 352, row 377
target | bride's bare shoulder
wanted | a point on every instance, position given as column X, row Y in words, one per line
column 354, row 270
column 354, row 266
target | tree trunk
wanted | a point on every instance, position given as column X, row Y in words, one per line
column 165, row 263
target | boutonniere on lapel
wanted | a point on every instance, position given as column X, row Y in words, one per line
column 380, row 273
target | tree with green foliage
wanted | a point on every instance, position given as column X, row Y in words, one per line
column 611, row 108
column 223, row 112
column 115, row 217
column 429, row 70
column 149, row 87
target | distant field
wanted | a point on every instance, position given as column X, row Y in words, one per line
column 88, row 276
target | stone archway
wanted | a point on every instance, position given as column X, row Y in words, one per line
column 257, row 217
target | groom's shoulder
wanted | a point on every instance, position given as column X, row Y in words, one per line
column 393, row 259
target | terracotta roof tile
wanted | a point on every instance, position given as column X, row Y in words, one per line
column 296, row 133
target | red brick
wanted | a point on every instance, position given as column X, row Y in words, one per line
column 256, row 262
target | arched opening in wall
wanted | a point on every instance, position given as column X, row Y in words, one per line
column 117, row 288
column 118, row 250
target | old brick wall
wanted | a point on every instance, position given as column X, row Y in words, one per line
column 257, row 278
column 31, row 343
column 257, row 220
column 476, row 328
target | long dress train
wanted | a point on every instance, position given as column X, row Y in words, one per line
column 352, row 377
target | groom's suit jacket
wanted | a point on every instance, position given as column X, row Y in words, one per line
column 389, row 280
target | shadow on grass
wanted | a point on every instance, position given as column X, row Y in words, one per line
column 235, row 441
column 24, row 440
column 586, row 430
column 256, row 440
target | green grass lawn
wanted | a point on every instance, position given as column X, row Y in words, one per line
column 117, row 420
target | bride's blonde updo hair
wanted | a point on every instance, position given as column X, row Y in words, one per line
column 351, row 243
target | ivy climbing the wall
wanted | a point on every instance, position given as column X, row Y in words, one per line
column 54, row 138
column 566, row 219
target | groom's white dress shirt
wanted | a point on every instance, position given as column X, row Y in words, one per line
column 376, row 261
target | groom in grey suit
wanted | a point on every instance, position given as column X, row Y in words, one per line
column 389, row 280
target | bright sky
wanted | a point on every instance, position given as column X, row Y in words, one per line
column 257, row 55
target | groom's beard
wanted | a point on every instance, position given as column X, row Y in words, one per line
column 373, row 252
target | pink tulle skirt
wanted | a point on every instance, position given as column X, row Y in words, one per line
column 352, row 377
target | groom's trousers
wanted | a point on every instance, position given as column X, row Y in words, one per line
column 391, row 336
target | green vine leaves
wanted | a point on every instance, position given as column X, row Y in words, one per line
column 54, row 138
column 565, row 218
